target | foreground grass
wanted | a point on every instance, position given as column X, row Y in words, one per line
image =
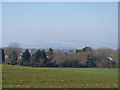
column 28, row 77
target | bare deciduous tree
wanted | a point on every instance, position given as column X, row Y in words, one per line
column 12, row 51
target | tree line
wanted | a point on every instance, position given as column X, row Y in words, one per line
column 86, row 57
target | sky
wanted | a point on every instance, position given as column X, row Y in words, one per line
column 0, row 24
column 60, row 24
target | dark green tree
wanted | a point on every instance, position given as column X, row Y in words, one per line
column 78, row 50
column 26, row 58
column 50, row 57
column 87, row 49
column 43, row 58
column 36, row 58
column 0, row 55
column 3, row 56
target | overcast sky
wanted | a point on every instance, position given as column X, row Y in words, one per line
column 73, row 25
column 0, row 24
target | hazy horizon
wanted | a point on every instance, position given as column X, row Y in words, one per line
column 60, row 24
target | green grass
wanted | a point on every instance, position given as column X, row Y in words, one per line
column 29, row 77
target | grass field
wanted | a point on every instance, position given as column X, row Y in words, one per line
column 29, row 77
